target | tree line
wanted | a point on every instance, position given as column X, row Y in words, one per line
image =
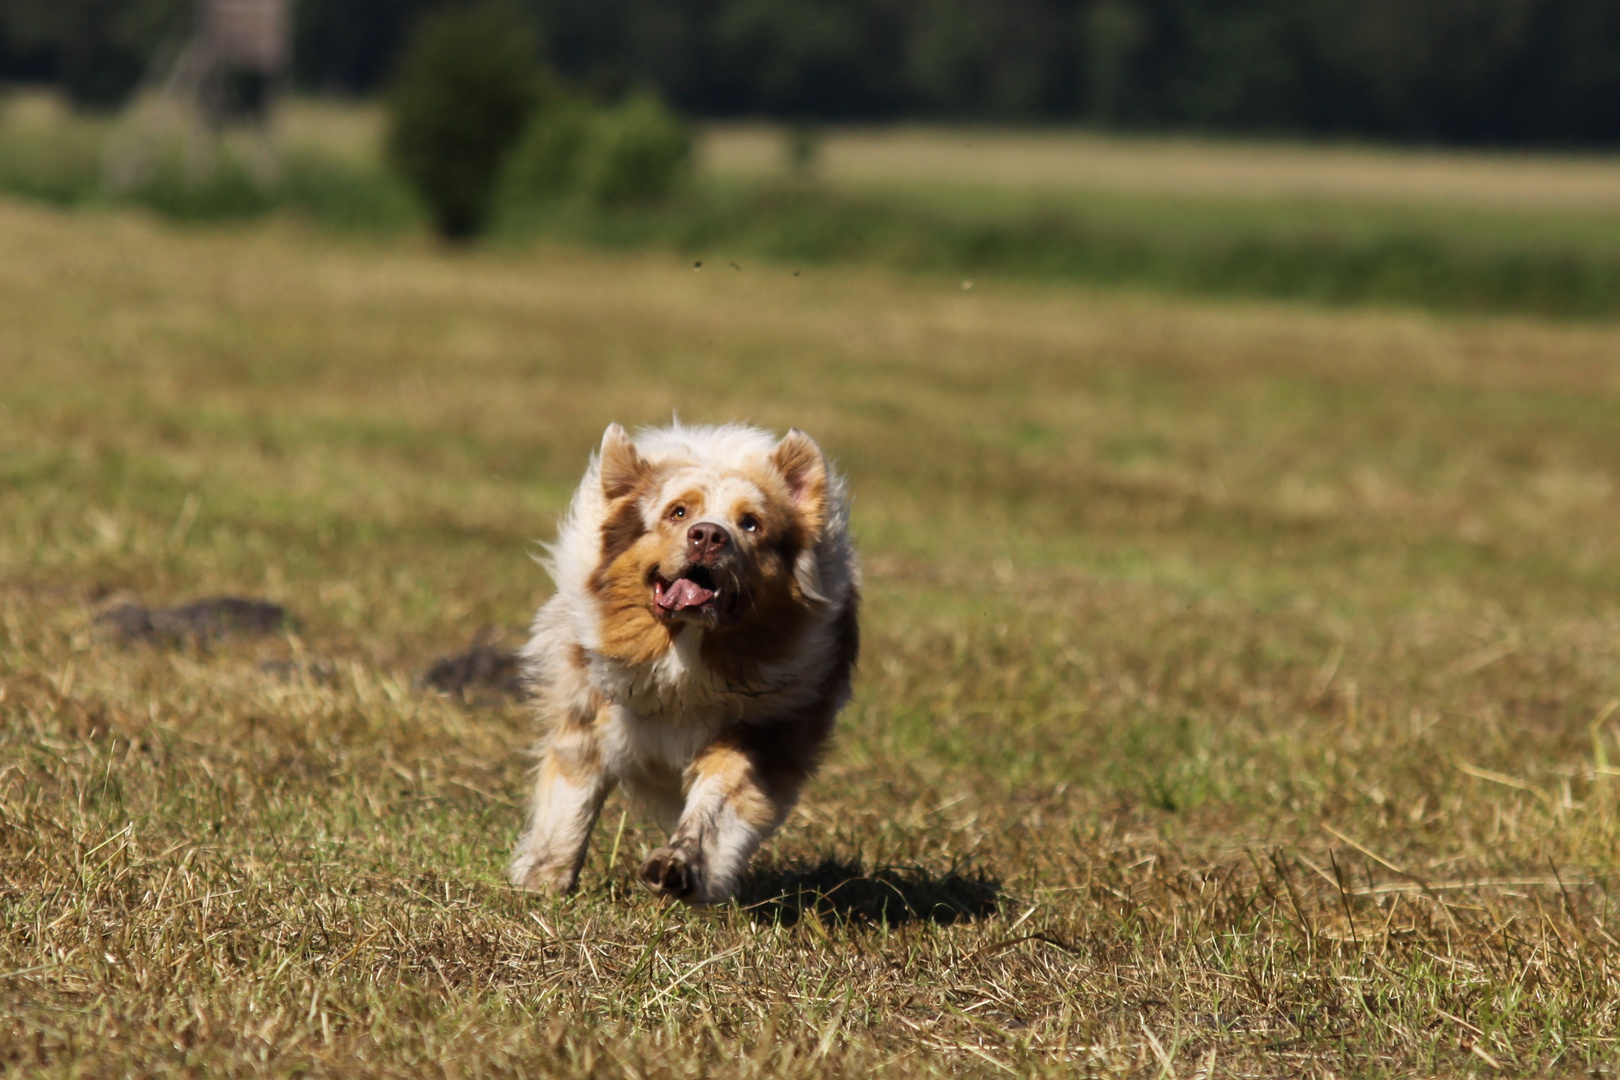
column 1465, row 71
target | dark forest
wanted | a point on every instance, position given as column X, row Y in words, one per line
column 1523, row 72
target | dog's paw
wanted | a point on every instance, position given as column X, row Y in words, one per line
column 532, row 875
column 673, row 872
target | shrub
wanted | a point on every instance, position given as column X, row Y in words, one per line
column 636, row 153
column 545, row 164
column 466, row 86
column 347, row 195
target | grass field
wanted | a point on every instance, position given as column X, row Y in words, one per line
column 1443, row 229
column 328, row 167
column 1240, row 696
column 1206, row 186
column 1079, row 161
column 1335, row 225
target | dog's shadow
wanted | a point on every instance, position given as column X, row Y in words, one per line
column 839, row 892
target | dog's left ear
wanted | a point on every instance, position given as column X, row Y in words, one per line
column 797, row 459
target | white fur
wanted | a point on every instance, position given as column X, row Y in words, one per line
column 728, row 842
column 561, row 818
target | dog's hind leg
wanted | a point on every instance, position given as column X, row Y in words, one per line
column 738, row 791
column 568, row 794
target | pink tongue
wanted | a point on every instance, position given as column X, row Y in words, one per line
column 683, row 593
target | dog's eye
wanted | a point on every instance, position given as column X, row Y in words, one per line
column 750, row 523
column 678, row 513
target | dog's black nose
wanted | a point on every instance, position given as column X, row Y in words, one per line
column 705, row 540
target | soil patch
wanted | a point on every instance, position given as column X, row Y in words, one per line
column 198, row 622
column 484, row 666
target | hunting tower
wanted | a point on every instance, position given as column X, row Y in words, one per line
column 236, row 59
column 228, row 73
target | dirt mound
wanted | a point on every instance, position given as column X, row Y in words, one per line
column 483, row 666
column 198, row 622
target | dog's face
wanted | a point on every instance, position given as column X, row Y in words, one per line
column 725, row 545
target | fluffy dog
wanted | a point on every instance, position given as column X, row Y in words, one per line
column 697, row 650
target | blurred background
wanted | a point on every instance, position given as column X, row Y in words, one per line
column 1493, row 71
column 1210, row 145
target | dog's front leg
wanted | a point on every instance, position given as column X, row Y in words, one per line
column 568, row 794
column 738, row 791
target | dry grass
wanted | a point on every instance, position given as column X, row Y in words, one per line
column 1222, row 168
column 1238, row 696
column 340, row 129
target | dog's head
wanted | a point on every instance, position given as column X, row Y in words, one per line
column 726, row 542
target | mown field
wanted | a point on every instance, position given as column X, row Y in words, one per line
column 1240, row 696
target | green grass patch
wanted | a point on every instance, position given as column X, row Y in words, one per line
column 1384, row 263
column 62, row 159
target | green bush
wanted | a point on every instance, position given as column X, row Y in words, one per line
column 546, row 162
column 467, row 84
column 637, row 152
column 631, row 154
column 349, row 196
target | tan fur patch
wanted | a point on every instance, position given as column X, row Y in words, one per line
column 630, row 631
column 732, row 768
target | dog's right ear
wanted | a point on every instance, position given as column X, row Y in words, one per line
column 622, row 468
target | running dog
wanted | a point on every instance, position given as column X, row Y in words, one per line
column 697, row 650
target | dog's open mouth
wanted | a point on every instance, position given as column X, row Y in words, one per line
column 694, row 591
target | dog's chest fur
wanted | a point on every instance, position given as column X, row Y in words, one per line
column 678, row 689
column 661, row 715
column 674, row 690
